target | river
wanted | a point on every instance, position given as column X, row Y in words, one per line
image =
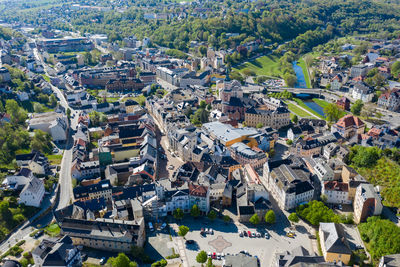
column 301, row 80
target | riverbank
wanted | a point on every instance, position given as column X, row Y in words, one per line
column 304, row 67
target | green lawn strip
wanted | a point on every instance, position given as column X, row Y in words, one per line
column 46, row 78
column 54, row 159
column 301, row 104
column 303, row 66
column 321, row 102
column 265, row 65
column 53, row 230
column 298, row 111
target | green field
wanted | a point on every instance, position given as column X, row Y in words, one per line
column 266, row 65
column 301, row 104
column 320, row 102
column 303, row 66
column 54, row 159
column 298, row 111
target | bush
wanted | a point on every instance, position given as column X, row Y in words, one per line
column 160, row 263
column 173, row 256
column 316, row 212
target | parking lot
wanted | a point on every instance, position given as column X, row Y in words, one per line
column 226, row 239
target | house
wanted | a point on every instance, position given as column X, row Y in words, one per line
column 87, row 169
column 348, row 126
column 334, row 244
column 366, row 203
column 246, row 155
column 103, row 189
column 240, row 260
column 288, row 181
column 32, row 194
column 361, row 91
column 35, row 161
column 299, row 256
column 276, row 119
column 358, row 70
column 390, row 100
column 18, row 180
column 336, row 192
column 389, row 261
column 343, row 103
column 60, row 252
column 199, row 195
column 50, row 122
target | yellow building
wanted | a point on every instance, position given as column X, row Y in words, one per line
column 334, row 244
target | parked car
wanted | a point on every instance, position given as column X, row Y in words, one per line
column 211, row 231
column 290, row 235
column 253, row 234
column 190, row 242
column 218, row 256
column 170, row 167
column 102, row 261
column 266, row 235
column 249, row 233
column 214, row 256
column 209, row 254
column 240, row 233
column 258, row 235
column 39, row 234
column 84, row 256
column 163, row 226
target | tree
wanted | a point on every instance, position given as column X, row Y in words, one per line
column 41, row 141
column 201, row 257
column 96, row 118
column 395, row 69
column 293, row 217
column 289, row 142
column 295, row 119
column 183, row 230
column 209, row 263
column 68, row 113
column 121, row 261
column 332, row 112
column 324, row 198
column 178, row 214
column 160, row 263
column 259, row 125
column 226, row 218
column 52, row 101
column 290, row 79
column 203, row 50
column 255, row 219
column 195, row 211
column 18, row 115
column 357, row 107
column 364, row 156
column 270, row 217
column 212, row 215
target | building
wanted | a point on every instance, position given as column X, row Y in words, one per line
column 348, row 126
column 243, row 154
column 299, row 256
column 55, row 124
column 171, row 76
column 366, row 203
column 199, row 195
column 313, row 146
column 87, row 169
column 18, row 180
column 240, row 260
column 289, row 182
column 336, row 192
column 100, row 233
column 103, row 189
column 65, row 45
column 228, row 135
column 124, row 84
column 358, row 70
column 389, row 261
column 35, row 161
column 276, row 119
column 362, row 92
column 57, row 253
column 390, row 100
column 334, row 244
column 32, row 194
column 343, row 103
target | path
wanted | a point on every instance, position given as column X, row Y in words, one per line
column 181, row 246
column 305, row 110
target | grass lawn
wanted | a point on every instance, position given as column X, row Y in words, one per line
column 298, row 111
column 53, row 230
column 301, row 104
column 321, row 102
column 139, row 99
column 303, row 66
column 54, row 159
column 266, row 65
column 112, row 99
column 46, row 78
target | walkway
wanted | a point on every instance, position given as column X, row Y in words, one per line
column 181, row 246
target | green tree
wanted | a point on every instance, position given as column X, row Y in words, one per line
column 209, row 263
column 290, row 79
column 96, row 118
column 293, row 217
column 270, row 217
column 255, row 219
column 364, row 156
column 395, row 69
column 357, row 107
column 201, row 257
column 41, row 141
column 121, row 261
column 183, row 230
column 324, row 198
column 18, row 115
column 203, row 50
column 259, row 125
column 195, row 211
column 332, row 112
column 68, row 113
column 52, row 101
column 212, row 215
column 295, row 119
column 226, row 218
column 178, row 214
column 160, row 263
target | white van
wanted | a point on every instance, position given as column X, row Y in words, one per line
column 151, row 227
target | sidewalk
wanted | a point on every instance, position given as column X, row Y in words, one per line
column 181, row 246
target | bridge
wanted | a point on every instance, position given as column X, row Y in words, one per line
column 312, row 91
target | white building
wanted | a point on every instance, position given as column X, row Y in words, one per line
column 336, row 192
column 33, row 193
column 50, row 122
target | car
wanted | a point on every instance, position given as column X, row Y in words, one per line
column 163, row 226
column 266, row 235
column 211, row 231
column 312, row 237
column 214, row 256
column 240, row 234
column 218, row 256
column 209, row 254
column 290, row 235
column 340, row 207
column 189, row 242
column 253, row 234
column 249, row 233
column 84, row 256
column 258, row 235
column 102, row 261
column 38, row 234
column 244, row 233
column 171, row 167
column 222, row 255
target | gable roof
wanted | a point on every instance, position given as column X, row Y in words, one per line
column 334, row 238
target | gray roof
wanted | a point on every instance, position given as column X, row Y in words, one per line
column 334, row 238
column 240, row 260
column 391, row 260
